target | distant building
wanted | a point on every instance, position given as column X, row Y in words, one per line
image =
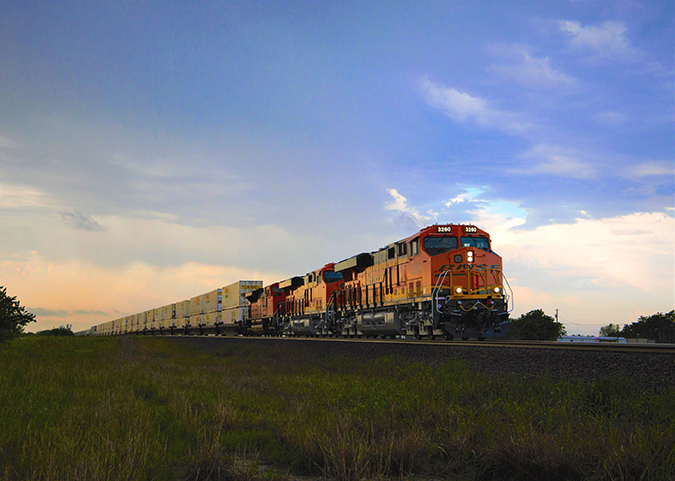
column 620, row 340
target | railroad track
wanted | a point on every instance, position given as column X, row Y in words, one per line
column 651, row 348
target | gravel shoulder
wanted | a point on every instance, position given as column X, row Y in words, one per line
column 646, row 371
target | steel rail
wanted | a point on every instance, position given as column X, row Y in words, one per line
column 651, row 348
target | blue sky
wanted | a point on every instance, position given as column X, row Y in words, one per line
column 153, row 151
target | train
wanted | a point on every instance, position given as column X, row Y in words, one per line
column 443, row 281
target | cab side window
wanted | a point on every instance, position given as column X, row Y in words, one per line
column 415, row 247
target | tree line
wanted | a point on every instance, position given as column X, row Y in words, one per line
column 658, row 327
column 14, row 317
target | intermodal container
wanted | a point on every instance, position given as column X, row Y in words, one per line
column 233, row 316
column 196, row 305
column 233, row 295
column 168, row 312
column 182, row 309
column 196, row 320
column 211, row 318
column 212, row 301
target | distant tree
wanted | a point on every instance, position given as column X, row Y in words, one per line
column 659, row 327
column 57, row 331
column 536, row 325
column 611, row 330
column 13, row 316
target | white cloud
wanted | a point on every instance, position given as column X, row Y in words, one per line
column 411, row 214
column 630, row 251
column 470, row 195
column 16, row 196
column 461, row 198
column 651, row 168
column 607, row 40
column 462, row 107
column 520, row 65
column 596, row 271
column 553, row 160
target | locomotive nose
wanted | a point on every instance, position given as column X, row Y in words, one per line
column 463, row 256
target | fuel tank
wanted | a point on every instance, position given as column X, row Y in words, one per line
column 380, row 323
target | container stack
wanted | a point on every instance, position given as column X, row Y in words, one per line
column 157, row 319
column 149, row 319
column 182, row 313
column 234, row 304
column 197, row 311
column 212, row 307
column 168, row 316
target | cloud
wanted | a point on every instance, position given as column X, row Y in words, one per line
column 461, row 198
column 612, row 119
column 470, row 195
column 464, row 108
column 407, row 214
column 521, row 66
column 6, row 143
column 629, row 251
column 651, row 168
column 76, row 220
column 596, row 271
column 558, row 161
column 17, row 196
column 626, row 251
column 39, row 311
column 606, row 40
column 78, row 290
column 83, row 312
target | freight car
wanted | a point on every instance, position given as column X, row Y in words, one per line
column 444, row 280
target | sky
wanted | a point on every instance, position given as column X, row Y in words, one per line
column 153, row 151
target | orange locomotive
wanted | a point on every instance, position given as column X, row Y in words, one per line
column 443, row 281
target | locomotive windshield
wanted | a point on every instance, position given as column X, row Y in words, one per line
column 477, row 242
column 435, row 245
column 332, row 276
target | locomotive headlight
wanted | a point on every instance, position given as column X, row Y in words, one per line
column 469, row 256
column 458, row 290
column 496, row 290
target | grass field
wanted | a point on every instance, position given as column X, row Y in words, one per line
column 144, row 408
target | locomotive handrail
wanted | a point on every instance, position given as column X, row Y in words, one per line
column 511, row 297
column 437, row 288
column 331, row 305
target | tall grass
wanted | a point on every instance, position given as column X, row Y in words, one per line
column 139, row 408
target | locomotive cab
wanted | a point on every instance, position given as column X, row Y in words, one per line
column 307, row 310
column 468, row 295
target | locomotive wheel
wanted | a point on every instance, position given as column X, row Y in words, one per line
column 465, row 339
column 447, row 336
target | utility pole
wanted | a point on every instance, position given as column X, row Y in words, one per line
column 556, row 315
